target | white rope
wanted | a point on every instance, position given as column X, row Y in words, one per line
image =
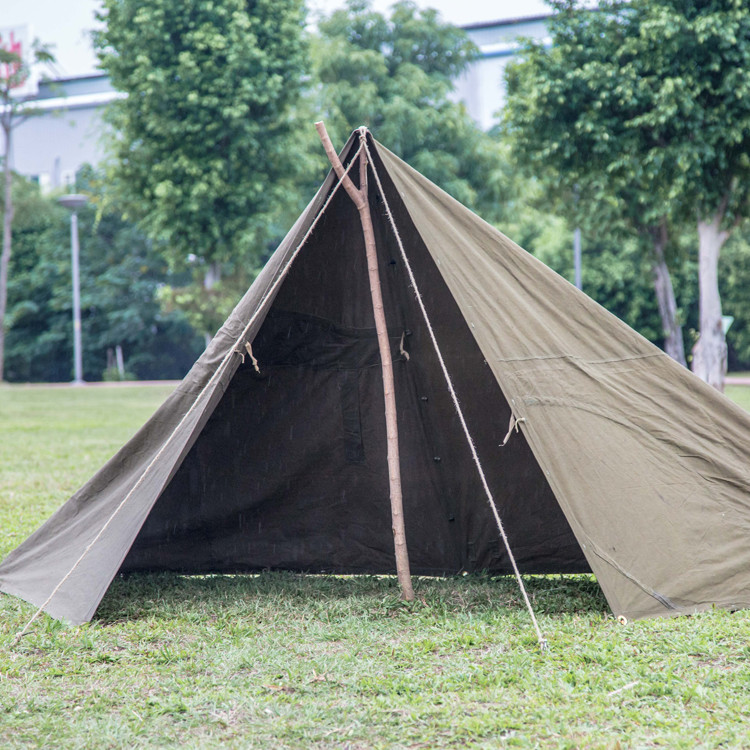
column 217, row 373
column 542, row 640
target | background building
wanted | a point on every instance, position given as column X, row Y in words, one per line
column 482, row 87
column 52, row 146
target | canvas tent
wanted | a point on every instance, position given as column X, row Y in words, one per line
column 624, row 464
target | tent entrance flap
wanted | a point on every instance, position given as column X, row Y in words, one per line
column 289, row 473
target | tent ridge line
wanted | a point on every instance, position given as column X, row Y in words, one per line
column 218, row 372
column 543, row 645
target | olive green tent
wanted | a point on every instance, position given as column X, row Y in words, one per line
column 271, row 453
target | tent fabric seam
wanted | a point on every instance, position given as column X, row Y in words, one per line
column 547, row 357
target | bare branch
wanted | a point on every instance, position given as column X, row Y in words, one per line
column 338, row 167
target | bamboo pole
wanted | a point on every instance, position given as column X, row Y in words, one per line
column 360, row 199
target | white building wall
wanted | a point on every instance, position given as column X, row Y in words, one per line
column 52, row 145
column 482, row 87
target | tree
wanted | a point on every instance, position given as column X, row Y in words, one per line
column 656, row 108
column 203, row 143
column 570, row 121
column 14, row 110
column 394, row 75
column 121, row 275
column 695, row 98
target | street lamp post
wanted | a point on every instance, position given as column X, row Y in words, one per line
column 73, row 202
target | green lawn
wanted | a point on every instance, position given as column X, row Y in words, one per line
column 279, row 660
column 740, row 395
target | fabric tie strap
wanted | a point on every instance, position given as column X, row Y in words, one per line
column 250, row 352
column 252, row 358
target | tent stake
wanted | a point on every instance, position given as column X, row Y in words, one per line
column 359, row 196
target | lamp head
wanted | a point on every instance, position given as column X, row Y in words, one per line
column 74, row 201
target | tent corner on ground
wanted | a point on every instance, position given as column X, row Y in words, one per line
column 624, row 464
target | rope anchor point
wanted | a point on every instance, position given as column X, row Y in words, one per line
column 513, row 425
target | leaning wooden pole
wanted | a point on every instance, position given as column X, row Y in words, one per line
column 361, row 201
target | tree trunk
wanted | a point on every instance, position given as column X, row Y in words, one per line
column 710, row 351
column 673, row 342
column 5, row 257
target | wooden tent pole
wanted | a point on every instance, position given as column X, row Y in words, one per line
column 361, row 201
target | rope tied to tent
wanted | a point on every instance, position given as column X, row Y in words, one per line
column 218, row 372
column 513, row 425
column 543, row 645
column 249, row 350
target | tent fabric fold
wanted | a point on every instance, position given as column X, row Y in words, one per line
column 623, row 463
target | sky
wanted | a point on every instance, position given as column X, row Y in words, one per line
column 66, row 23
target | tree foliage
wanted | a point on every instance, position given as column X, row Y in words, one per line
column 394, row 74
column 200, row 143
column 695, row 100
column 644, row 105
column 121, row 274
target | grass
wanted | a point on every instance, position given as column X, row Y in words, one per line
column 740, row 394
column 287, row 661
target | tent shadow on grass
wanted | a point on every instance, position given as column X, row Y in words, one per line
column 171, row 595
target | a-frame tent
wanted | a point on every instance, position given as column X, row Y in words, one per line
column 624, row 463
